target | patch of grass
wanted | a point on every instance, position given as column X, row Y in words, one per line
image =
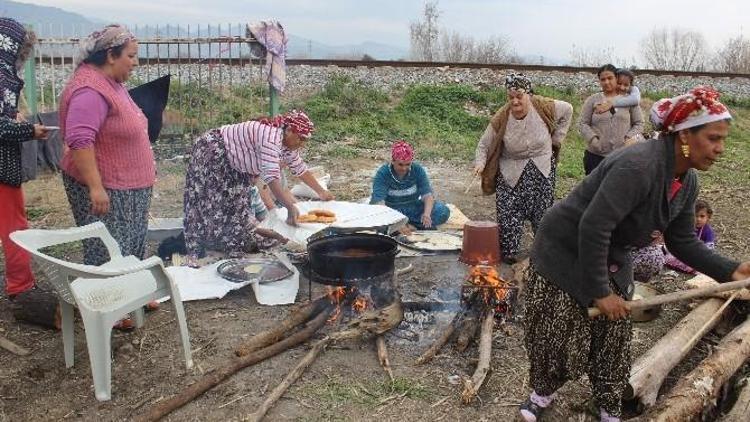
column 194, row 108
column 34, row 214
column 342, row 151
column 367, row 393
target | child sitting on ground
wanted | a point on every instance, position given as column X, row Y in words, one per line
column 703, row 214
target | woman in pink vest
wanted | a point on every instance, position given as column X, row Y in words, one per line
column 108, row 166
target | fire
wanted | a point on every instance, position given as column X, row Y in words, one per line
column 495, row 289
column 360, row 304
column 336, row 296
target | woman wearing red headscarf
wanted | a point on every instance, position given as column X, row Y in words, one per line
column 224, row 166
column 404, row 186
column 581, row 258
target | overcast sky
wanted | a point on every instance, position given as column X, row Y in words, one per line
column 534, row 27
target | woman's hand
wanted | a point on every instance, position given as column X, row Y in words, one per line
column 426, row 220
column 326, row 195
column 292, row 215
column 99, row 201
column 742, row 272
column 612, row 306
column 40, row 131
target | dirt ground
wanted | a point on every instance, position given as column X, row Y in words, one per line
column 346, row 382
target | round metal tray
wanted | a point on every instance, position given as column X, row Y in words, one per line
column 270, row 271
column 404, row 241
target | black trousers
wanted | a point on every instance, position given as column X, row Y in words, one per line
column 590, row 161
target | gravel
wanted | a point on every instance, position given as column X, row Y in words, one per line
column 303, row 79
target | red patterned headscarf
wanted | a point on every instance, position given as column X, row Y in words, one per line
column 402, row 151
column 698, row 107
column 295, row 120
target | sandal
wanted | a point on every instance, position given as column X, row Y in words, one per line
column 530, row 411
column 151, row 306
column 125, row 324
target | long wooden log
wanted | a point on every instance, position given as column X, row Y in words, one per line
column 383, row 356
column 702, row 385
column 741, row 410
column 212, row 379
column 472, row 386
column 298, row 316
column 702, row 280
column 678, row 296
column 290, row 379
column 440, row 341
column 467, row 332
column 650, row 369
column 13, row 347
column 375, row 322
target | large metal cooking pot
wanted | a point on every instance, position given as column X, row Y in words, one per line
column 349, row 258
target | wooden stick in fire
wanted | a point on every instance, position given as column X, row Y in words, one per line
column 440, row 341
column 299, row 316
column 472, row 386
column 678, row 296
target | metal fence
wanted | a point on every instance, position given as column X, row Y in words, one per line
column 217, row 74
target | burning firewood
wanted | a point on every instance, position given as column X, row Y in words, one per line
column 702, row 385
column 472, row 385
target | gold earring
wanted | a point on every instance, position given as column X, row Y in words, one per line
column 685, row 150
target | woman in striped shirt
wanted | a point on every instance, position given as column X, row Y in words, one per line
column 224, row 165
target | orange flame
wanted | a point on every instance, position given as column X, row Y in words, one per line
column 487, row 276
column 360, row 304
column 336, row 296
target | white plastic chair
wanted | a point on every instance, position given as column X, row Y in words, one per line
column 103, row 294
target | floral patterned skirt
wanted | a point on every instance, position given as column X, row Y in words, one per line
column 218, row 211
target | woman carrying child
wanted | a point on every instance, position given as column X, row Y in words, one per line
column 604, row 131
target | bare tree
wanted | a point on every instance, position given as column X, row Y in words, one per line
column 454, row 47
column 492, row 50
column 589, row 57
column 424, row 33
column 431, row 42
column 734, row 57
column 674, row 49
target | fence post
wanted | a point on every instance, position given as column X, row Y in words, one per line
column 273, row 100
column 29, row 77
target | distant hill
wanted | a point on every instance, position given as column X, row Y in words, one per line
column 48, row 21
column 299, row 48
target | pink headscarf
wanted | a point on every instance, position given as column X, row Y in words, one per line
column 295, row 120
column 402, row 151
